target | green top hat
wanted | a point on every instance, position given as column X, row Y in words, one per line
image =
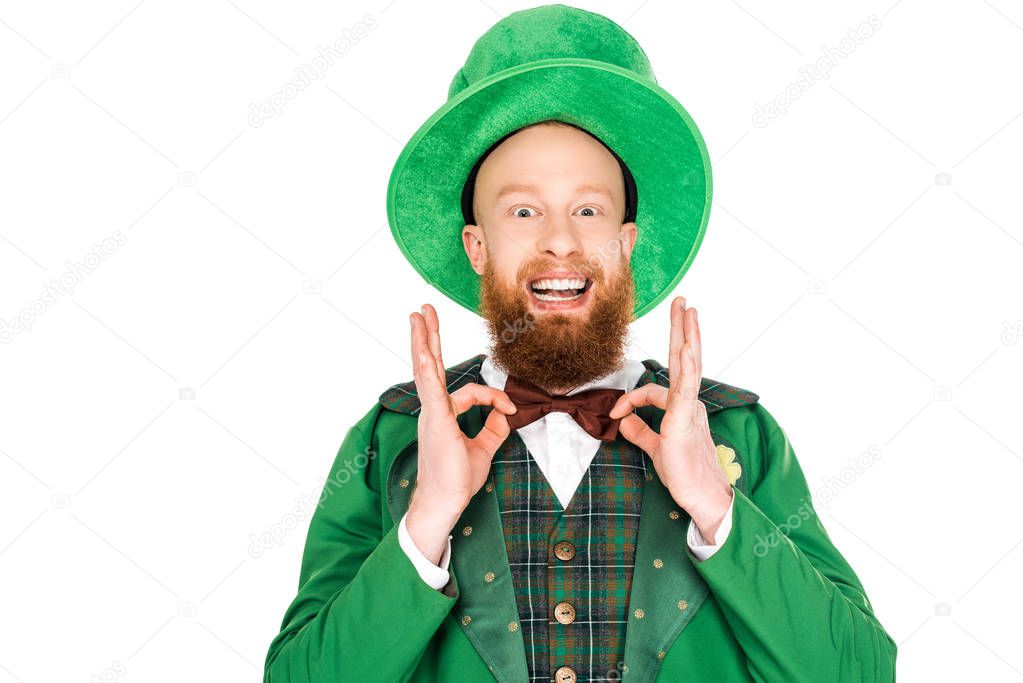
column 564, row 63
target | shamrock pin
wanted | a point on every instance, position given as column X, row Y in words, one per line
column 726, row 458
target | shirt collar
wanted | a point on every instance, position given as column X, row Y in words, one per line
column 624, row 378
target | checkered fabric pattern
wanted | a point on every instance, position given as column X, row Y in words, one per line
column 601, row 523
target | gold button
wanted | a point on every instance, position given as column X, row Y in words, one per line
column 639, row 613
column 682, row 604
column 658, row 563
column 564, row 550
column 403, row 483
column 489, row 487
column 488, row 577
column 513, row 626
column 649, row 477
column 466, row 531
column 466, row 620
column 673, row 514
column 660, row 655
column 565, row 674
column 564, row 612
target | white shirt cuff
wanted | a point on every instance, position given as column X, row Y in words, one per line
column 699, row 546
column 436, row 577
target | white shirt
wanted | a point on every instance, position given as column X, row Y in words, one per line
column 563, row 451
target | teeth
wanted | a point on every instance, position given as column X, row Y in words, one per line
column 551, row 297
column 565, row 283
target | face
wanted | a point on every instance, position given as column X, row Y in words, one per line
column 556, row 285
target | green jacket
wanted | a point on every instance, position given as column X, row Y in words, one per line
column 777, row 601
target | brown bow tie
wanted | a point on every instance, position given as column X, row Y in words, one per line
column 589, row 408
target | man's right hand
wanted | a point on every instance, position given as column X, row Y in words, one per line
column 452, row 467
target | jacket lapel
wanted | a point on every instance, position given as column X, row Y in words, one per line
column 486, row 610
column 666, row 592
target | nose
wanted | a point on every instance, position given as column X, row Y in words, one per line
column 560, row 239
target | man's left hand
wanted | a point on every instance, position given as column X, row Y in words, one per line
column 684, row 454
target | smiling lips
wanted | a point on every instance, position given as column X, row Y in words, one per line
column 559, row 289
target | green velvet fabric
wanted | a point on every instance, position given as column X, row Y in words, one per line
column 554, row 62
column 776, row 602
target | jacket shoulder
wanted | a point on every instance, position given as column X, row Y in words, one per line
column 715, row 394
column 403, row 397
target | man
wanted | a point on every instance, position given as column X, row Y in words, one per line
column 553, row 510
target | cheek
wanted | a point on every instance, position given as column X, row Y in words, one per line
column 606, row 253
column 504, row 255
column 505, row 267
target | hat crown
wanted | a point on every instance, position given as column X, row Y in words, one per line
column 550, row 32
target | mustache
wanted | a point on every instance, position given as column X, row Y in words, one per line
column 529, row 270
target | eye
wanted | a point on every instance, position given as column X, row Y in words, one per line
column 517, row 214
column 592, row 209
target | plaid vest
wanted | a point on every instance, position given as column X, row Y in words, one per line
column 572, row 568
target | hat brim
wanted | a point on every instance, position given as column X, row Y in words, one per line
column 639, row 120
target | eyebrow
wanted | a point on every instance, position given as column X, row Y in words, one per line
column 533, row 189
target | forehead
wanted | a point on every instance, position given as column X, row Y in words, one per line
column 546, row 157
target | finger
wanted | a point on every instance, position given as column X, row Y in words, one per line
column 647, row 395
column 433, row 335
column 432, row 392
column 414, row 345
column 495, row 431
column 682, row 419
column 690, row 388
column 472, row 394
column 634, row 429
column 695, row 339
column 676, row 341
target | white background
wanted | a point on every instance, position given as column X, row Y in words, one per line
column 861, row 273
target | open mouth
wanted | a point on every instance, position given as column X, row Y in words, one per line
column 559, row 289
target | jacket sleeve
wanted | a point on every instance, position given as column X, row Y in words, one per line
column 362, row 611
column 795, row 605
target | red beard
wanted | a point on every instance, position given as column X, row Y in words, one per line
column 558, row 351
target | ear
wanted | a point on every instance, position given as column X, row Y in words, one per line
column 475, row 246
column 627, row 235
